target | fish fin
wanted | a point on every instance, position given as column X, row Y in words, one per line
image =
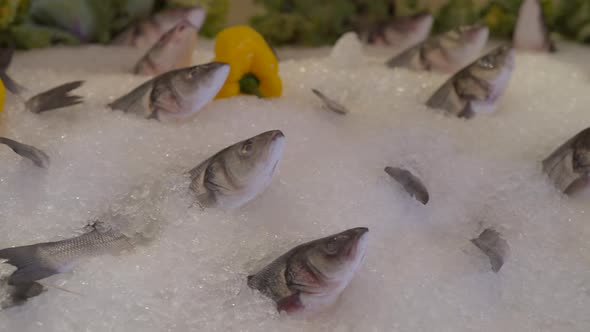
column 22, row 292
column 467, row 112
column 439, row 100
column 330, row 104
column 54, row 98
column 404, row 59
column 37, row 156
column 204, row 196
column 413, row 186
column 491, row 244
column 28, row 263
column 5, row 60
column 290, row 303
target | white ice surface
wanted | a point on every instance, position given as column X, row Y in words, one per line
column 421, row 273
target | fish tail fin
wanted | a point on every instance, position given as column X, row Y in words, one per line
column 55, row 98
column 5, row 60
column 22, row 292
column 30, row 266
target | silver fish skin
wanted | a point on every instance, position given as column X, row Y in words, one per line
column 37, row 156
column 530, row 32
column 413, row 186
column 401, row 32
column 311, row 276
column 491, row 243
column 239, row 173
column 569, row 165
column 476, row 88
column 173, row 50
column 177, row 94
column 447, row 52
column 5, row 60
column 55, row 98
column 147, row 32
column 330, row 104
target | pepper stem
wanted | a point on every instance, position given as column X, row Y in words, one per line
column 249, row 85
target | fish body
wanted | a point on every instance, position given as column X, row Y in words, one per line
column 237, row 174
column 54, row 98
column 491, row 243
column 173, row 50
column 177, row 94
column 402, row 31
column 5, row 60
column 569, row 165
column 410, row 182
column 311, row 276
column 476, row 88
column 37, row 156
column 330, row 104
column 530, row 32
column 447, row 52
column 147, row 32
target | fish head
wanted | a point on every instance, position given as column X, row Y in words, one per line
column 465, row 43
column 200, row 84
column 338, row 256
column 252, row 162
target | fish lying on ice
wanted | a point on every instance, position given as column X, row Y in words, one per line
column 402, row 31
column 54, row 98
column 147, row 32
column 173, row 50
column 410, row 182
column 237, row 174
column 38, row 157
column 330, row 104
column 311, row 276
column 178, row 94
column 492, row 244
column 476, row 88
column 447, row 52
column 5, row 60
column 39, row 261
column 530, row 32
column 569, row 165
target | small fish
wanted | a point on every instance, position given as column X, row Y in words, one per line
column 38, row 157
column 55, row 98
column 330, row 104
column 410, row 182
column 477, row 87
column 173, row 51
column 447, row 52
column 311, row 276
column 147, row 32
column 42, row 260
column 569, row 165
column 176, row 94
column 496, row 248
column 401, row 31
column 530, row 32
column 237, row 174
column 5, row 60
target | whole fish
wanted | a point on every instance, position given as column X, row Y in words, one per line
column 5, row 60
column 496, row 248
column 569, row 165
column 38, row 157
column 42, row 260
column 330, row 104
column 237, row 174
column 477, row 87
column 530, row 32
column 410, row 182
column 447, row 52
column 54, row 98
column 311, row 276
column 173, row 51
column 147, row 32
column 176, row 94
column 401, row 31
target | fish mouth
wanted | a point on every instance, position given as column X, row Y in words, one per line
column 276, row 134
column 475, row 32
column 358, row 235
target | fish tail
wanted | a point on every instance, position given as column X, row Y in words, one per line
column 5, row 60
column 55, row 98
column 29, row 264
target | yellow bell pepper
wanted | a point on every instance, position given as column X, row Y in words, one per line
column 2, row 96
column 254, row 68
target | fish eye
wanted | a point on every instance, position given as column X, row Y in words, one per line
column 247, row 148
